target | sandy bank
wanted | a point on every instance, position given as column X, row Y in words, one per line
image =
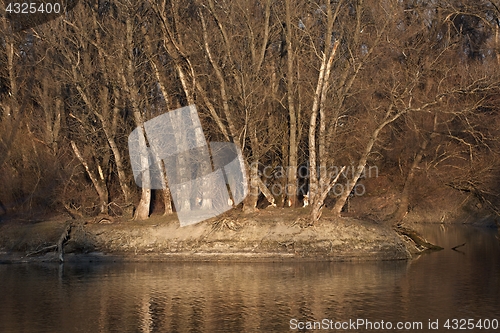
column 269, row 235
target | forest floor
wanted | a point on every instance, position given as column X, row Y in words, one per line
column 272, row 234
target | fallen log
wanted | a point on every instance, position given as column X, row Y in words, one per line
column 45, row 249
column 65, row 236
column 417, row 239
column 63, row 239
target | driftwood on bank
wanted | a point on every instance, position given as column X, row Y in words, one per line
column 417, row 239
column 63, row 239
column 42, row 250
column 65, row 236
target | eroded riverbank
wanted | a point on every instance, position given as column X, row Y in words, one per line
column 269, row 235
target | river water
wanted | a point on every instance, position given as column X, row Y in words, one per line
column 264, row 297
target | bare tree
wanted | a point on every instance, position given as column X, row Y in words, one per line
column 129, row 81
column 247, row 74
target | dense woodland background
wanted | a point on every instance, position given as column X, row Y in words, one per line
column 410, row 87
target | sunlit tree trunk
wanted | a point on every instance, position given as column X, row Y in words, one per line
column 162, row 82
column 323, row 74
column 390, row 117
column 109, row 118
column 291, row 186
column 129, row 82
column 255, row 183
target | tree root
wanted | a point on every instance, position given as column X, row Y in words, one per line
column 225, row 223
column 302, row 222
column 421, row 242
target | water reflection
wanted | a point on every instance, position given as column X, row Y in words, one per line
column 222, row 297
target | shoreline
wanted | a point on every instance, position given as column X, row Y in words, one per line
column 271, row 235
column 104, row 258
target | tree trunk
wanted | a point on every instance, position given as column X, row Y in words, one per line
column 250, row 202
column 103, row 112
column 341, row 200
column 110, row 136
column 162, row 82
column 291, row 186
column 323, row 156
column 143, row 208
column 313, row 177
column 222, row 84
column 257, row 54
column 405, row 194
column 99, row 184
column 326, row 65
column 12, row 110
column 129, row 82
column 318, row 205
column 52, row 113
column 323, row 174
column 63, row 239
column 167, row 195
column 183, row 168
column 497, row 43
